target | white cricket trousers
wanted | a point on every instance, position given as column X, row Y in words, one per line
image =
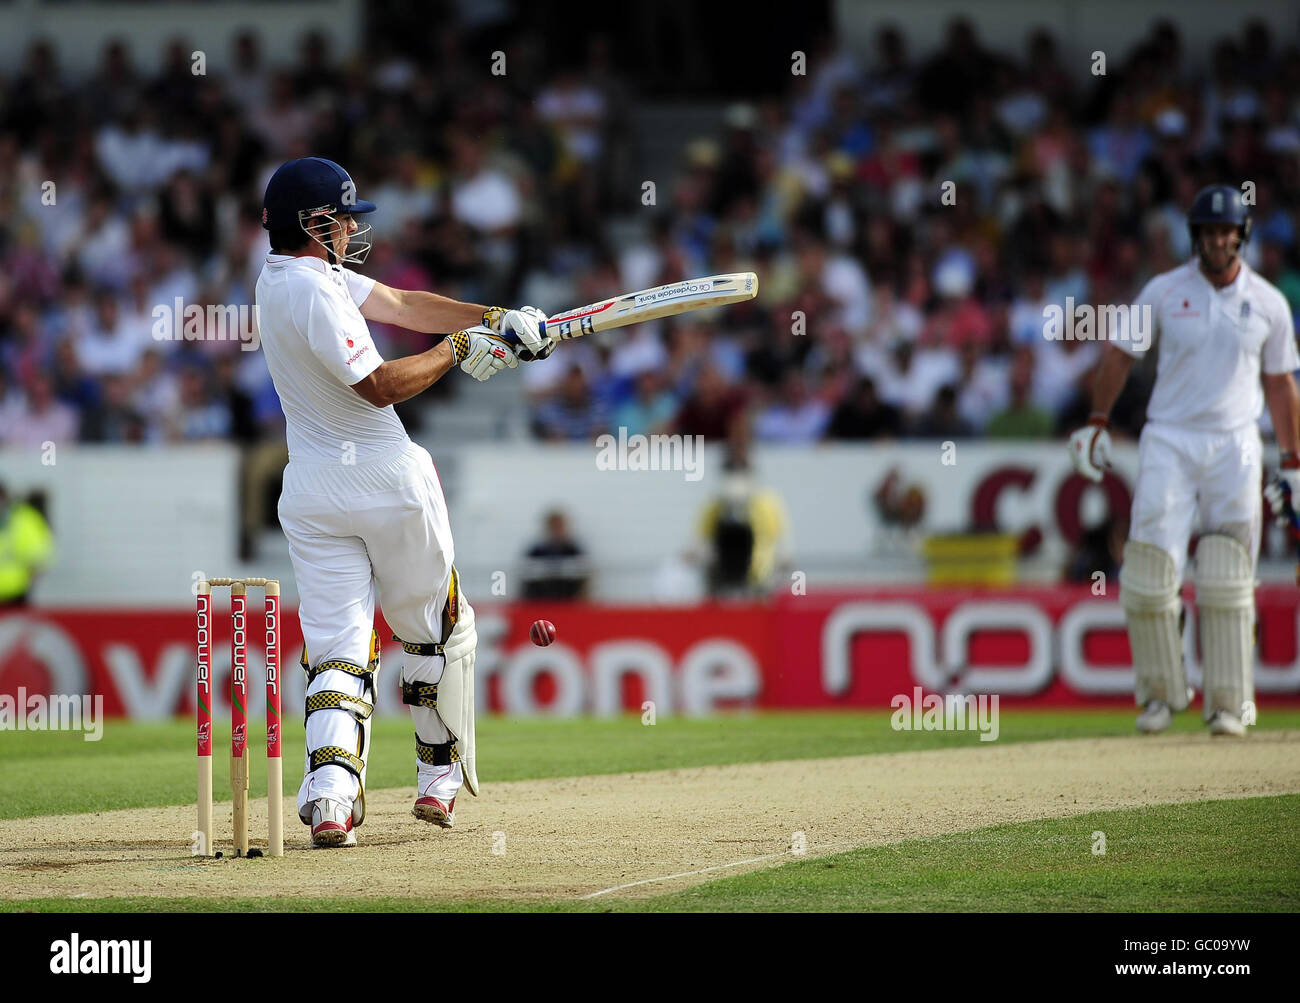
column 373, row 530
column 1187, row 478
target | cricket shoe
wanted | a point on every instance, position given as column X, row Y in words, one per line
column 331, row 823
column 1155, row 717
column 1223, row 723
column 431, row 809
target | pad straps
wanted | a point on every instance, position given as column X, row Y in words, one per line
column 440, row 754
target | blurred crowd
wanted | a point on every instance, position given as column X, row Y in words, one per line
column 910, row 219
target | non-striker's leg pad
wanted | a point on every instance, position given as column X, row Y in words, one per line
column 1225, row 604
column 1149, row 593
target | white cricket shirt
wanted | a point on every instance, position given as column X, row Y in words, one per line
column 317, row 345
column 1214, row 343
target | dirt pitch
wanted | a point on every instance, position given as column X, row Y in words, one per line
column 643, row 833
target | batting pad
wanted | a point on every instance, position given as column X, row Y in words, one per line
column 1149, row 595
column 340, row 703
column 1225, row 603
column 456, row 690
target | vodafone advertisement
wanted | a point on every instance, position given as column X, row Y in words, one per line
column 1034, row 646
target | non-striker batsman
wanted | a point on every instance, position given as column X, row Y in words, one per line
column 1222, row 329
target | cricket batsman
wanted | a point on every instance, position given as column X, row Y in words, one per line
column 362, row 506
column 1220, row 327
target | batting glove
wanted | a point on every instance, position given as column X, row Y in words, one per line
column 481, row 352
column 1283, row 491
column 525, row 329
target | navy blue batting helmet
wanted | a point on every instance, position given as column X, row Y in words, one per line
column 1219, row 204
column 311, row 186
column 310, row 194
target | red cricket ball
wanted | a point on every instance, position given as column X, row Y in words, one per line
column 541, row 633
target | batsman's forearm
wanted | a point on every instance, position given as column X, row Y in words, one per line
column 433, row 314
column 401, row 379
column 1112, row 373
column 1284, row 408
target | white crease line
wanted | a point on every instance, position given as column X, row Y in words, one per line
column 823, row 850
column 683, row 874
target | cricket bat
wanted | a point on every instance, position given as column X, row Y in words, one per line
column 648, row 304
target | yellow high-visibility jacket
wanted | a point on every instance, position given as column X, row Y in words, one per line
column 766, row 515
column 26, row 546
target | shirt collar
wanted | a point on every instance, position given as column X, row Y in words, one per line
column 298, row 261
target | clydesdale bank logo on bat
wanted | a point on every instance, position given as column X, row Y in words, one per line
column 673, row 292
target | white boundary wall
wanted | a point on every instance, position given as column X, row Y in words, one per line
column 134, row 525
column 131, row 525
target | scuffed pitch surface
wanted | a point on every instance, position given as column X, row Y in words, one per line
column 570, row 837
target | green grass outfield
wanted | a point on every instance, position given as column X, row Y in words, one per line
column 1217, row 855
